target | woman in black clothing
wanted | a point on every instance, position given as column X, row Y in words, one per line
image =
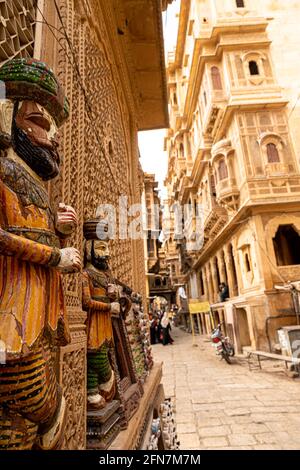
column 166, row 328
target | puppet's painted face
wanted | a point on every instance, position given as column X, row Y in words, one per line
column 34, row 138
column 100, row 254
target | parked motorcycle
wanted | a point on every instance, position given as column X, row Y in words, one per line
column 222, row 343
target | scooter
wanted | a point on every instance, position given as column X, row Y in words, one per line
column 223, row 346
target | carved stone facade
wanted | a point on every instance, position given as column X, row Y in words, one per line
column 90, row 44
column 232, row 148
column 161, row 271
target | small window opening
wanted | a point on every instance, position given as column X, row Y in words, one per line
column 253, row 68
column 247, row 263
column 287, row 246
column 201, row 284
column 181, row 150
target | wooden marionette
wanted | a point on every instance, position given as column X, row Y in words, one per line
column 32, row 309
column 111, row 371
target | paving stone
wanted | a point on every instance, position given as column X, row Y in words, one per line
column 277, row 426
column 205, row 400
column 186, row 428
column 181, row 394
column 230, row 407
column 257, row 417
column 208, row 406
column 266, row 438
column 290, row 446
column 214, row 431
column 183, row 409
column 204, row 422
column 237, row 412
column 251, row 428
column 189, row 441
column 211, row 442
column 236, row 396
column 241, row 440
column 184, row 417
column 282, row 437
column 242, row 404
column 233, row 448
column 247, row 419
column 294, row 417
column 267, row 447
column 270, row 409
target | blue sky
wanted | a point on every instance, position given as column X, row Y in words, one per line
column 151, row 143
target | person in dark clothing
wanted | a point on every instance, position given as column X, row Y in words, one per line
column 159, row 333
column 166, row 327
column 223, row 292
column 153, row 330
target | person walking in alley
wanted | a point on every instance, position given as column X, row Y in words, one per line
column 166, row 327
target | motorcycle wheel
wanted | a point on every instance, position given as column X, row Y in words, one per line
column 226, row 357
column 229, row 349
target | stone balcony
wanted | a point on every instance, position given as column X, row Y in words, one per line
column 175, row 118
column 214, row 221
column 181, row 166
column 215, row 106
column 228, row 192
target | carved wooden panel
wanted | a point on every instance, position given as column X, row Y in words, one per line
column 73, row 382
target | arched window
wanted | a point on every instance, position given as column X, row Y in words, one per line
column 181, row 150
column 216, row 78
column 175, row 102
column 205, row 98
column 223, row 172
column 240, row 3
column 253, row 67
column 272, row 153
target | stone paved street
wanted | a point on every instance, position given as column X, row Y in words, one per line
column 221, row 406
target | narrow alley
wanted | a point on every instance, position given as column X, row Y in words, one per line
column 226, row 407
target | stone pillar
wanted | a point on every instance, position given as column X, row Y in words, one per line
column 222, row 268
column 231, row 266
column 209, row 284
column 236, row 262
column 205, row 283
column 215, row 283
column 229, row 269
